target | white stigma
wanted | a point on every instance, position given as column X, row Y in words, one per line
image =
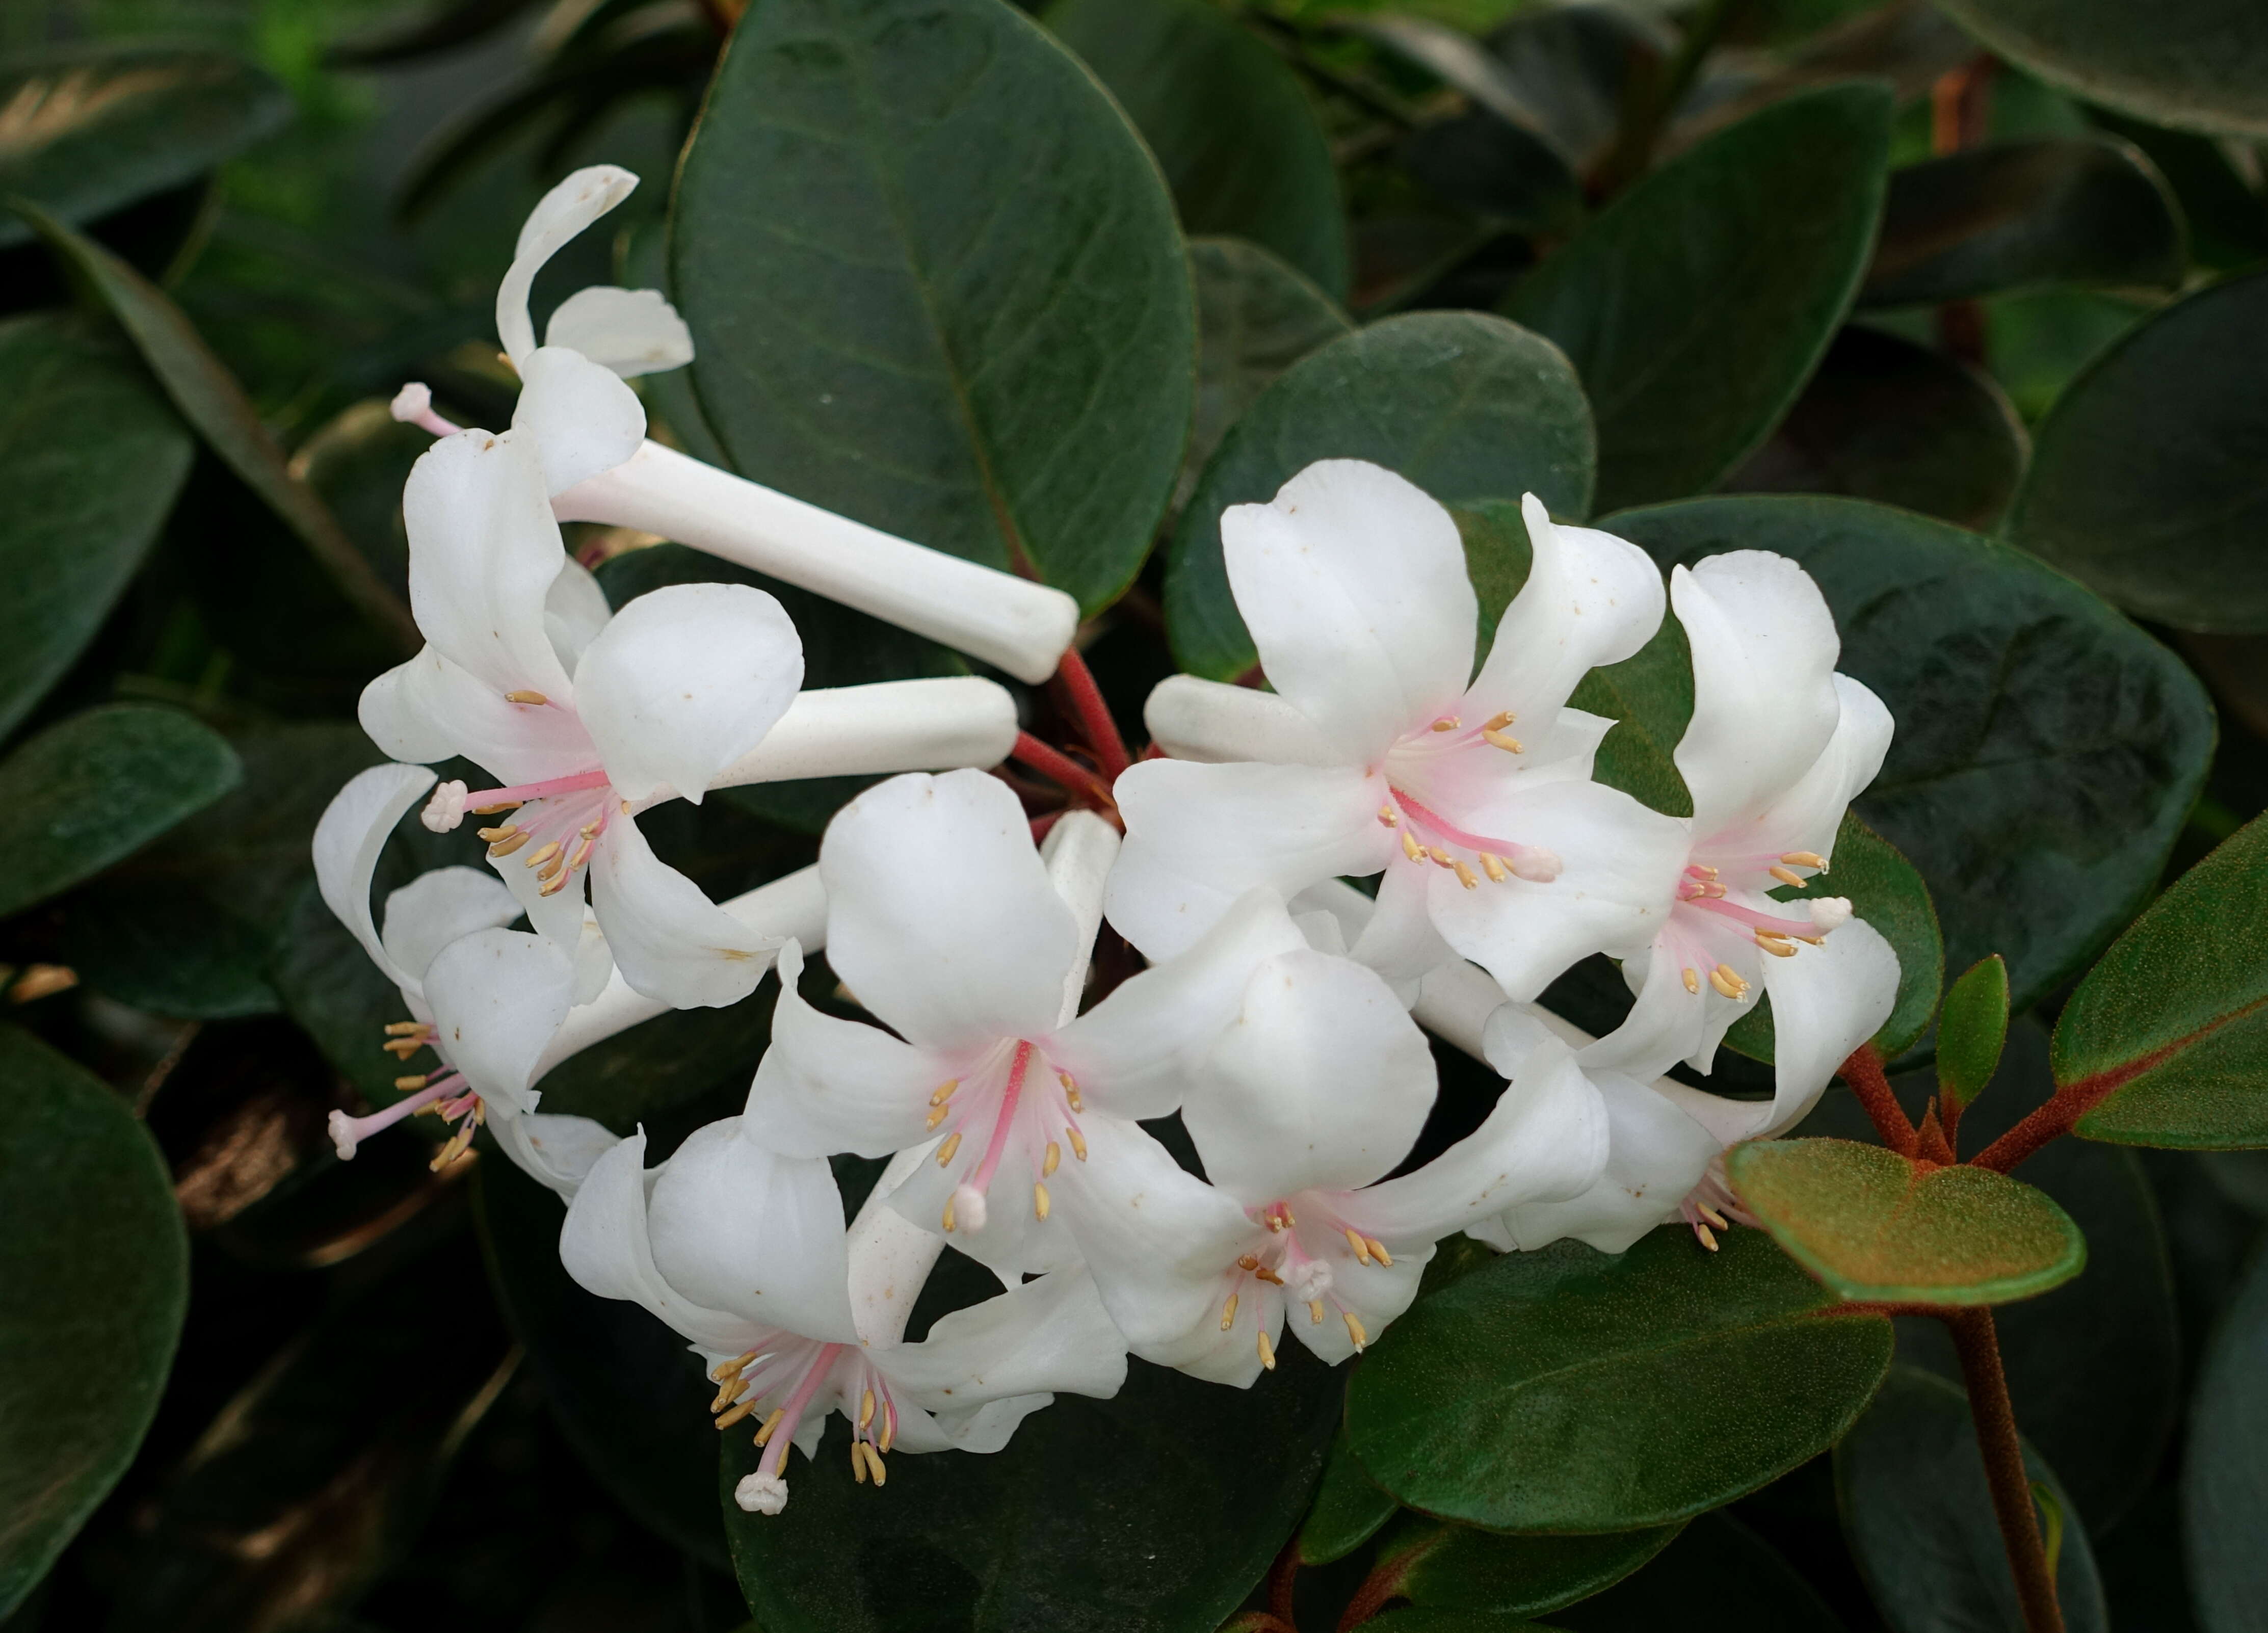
column 967, row 1208
column 342, row 1134
column 1310, row 1281
column 1534, row 865
column 1830, row 912
column 446, row 809
column 761, row 1494
column 413, row 402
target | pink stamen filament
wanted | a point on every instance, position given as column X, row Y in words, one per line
column 1009, row 1097
column 776, row 1448
column 1750, row 917
column 1456, row 836
column 527, row 791
column 440, row 1087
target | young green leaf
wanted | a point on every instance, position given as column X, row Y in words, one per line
column 1970, row 1031
column 1568, row 1391
column 1879, row 1228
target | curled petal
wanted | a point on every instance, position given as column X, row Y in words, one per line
column 435, row 909
column 429, row 709
column 828, row 1085
column 498, row 996
column 631, row 331
column 354, row 830
column 1655, row 1155
column 583, row 419
column 559, row 215
column 575, row 609
column 1808, row 816
column 483, row 551
column 605, row 1246
column 1051, row 1335
column 1826, row 1001
column 555, row 1152
column 1590, row 598
column 667, row 938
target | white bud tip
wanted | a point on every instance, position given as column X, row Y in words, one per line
column 413, row 402
column 342, row 1134
column 967, row 1208
column 1310, row 1281
column 1830, row 912
column 446, row 809
column 1536, row 866
column 761, row 1494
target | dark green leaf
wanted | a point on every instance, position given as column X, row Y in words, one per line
column 1577, row 68
column 1971, row 1031
column 97, row 787
column 1698, row 304
column 1257, row 317
column 2228, row 220
column 2018, row 214
column 1718, row 1577
column 1566, row 1390
column 1919, row 1516
column 1230, row 124
column 2225, row 1476
column 1888, row 420
column 1464, row 405
column 1415, row 1619
column 90, row 459
column 1498, row 170
column 211, row 401
column 2174, row 1021
column 2047, row 751
column 1459, row 61
column 2145, row 482
column 1458, row 1568
column 1349, row 1508
column 1148, row 1513
column 338, row 996
column 2198, row 65
column 95, row 125
column 96, row 1265
column 1879, row 1228
column 169, row 948
column 938, row 284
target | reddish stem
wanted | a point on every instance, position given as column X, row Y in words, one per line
column 1979, row 1350
column 1283, row 1580
column 1094, row 720
column 2074, row 1101
column 1387, row 1579
column 1931, row 1139
column 1059, row 766
column 1863, row 1071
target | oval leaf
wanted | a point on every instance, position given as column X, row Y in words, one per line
column 1458, row 1568
column 97, row 1265
column 1970, row 1032
column 1568, row 1391
column 2198, row 65
column 1696, row 304
column 1880, row 1228
column 97, row 787
column 1257, row 317
column 1464, row 405
column 2225, row 1476
column 938, row 284
column 2146, row 479
column 1349, row 1508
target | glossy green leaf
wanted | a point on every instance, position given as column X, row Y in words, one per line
column 1918, row 1517
column 97, row 787
column 1717, row 1576
column 95, row 125
column 1888, row 420
column 1464, row 405
column 1971, row 1031
column 2146, row 481
column 168, row 947
column 2225, row 1475
column 2047, row 751
column 211, row 399
column 90, row 459
column 1444, row 1567
column 1151, row 1512
column 2198, row 65
column 1349, row 1508
column 2227, row 221
column 938, row 284
column 1880, row 1228
column 1696, row 304
column 2021, row 214
column 2173, row 1022
column 1570, row 1391
column 1257, row 317
column 96, row 1267
column 1229, row 122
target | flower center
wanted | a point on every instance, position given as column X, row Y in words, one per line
column 1702, row 897
column 1286, row 1267
column 1026, row 1110
column 792, row 1370
column 444, row 1094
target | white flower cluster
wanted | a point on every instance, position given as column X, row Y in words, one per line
column 1276, row 1017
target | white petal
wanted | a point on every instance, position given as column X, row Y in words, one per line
column 1590, row 599
column 1808, row 815
column 1826, row 1001
column 669, row 940
column 574, row 204
column 744, row 1229
column 1199, row 836
column 604, row 1247
column 483, row 551
column 498, row 996
column 1352, row 582
column 631, row 331
column 436, row 908
column 1194, row 719
column 1667, row 1024
column 430, row 710
column 1763, row 690
column 554, row 1151
column 941, row 723
column 891, row 1257
column 1132, row 1054
column 1399, row 940
column 684, row 681
column 349, row 839
column 1373, row 1293
column 1077, row 854
column 559, row 917
column 1322, row 1082
column 575, row 609
column 826, row 1085
column 940, row 917
column 1655, row 1155
column 1050, row 1336
column 583, row 419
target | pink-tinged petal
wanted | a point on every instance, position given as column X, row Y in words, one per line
column 668, row 939
column 630, row 331
column 1808, row 816
column 554, row 1151
column 1322, row 1082
column 1826, row 1000
column 1228, row 1355
column 1199, row 836
column 558, row 217
column 1763, row 689
column 828, row 1085
column 498, row 997
column 1655, row 1155
column 349, row 839
column 1050, row 1336
column 429, row 709
column 1590, row 599
column 1373, row 1293
column 1670, row 1023
column 684, row 681
column 583, row 419
column 940, row 917
column 1352, row 582
column 1399, row 939
column 605, row 1246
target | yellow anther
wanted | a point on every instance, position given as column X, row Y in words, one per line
column 944, row 1092
column 1779, row 946
column 858, row 1462
column 1378, row 1250
column 1467, row 877
column 549, row 850
column 866, row 1409
column 945, row 1152
column 1493, row 866
column 1813, row 941
column 1249, row 1262
column 1442, row 858
column 1410, row 848
column 406, row 1028
column 582, row 854
column 492, row 835
column 1704, row 869
column 771, row 1425
column 1692, row 981
column 1787, row 876
column 402, row 1049
column 1715, row 1217
column 937, row 1116
column 1071, row 1099
column 948, row 1215
column 1289, row 1220
column 726, row 1388
column 1509, row 745
column 1804, row 858
column 1315, row 1311
column 504, row 848
column 1047, row 1163
column 551, row 870
column 1354, row 1330
column 409, row 1083
column 589, row 830
column 1267, row 1351
column 1498, row 722
column 889, row 1431
column 1039, row 1200
column 626, row 808
column 1361, row 1247
column 874, row 1465
column 1448, row 722
column 1228, row 1313
column 1078, row 1143
column 1268, row 1275
column 1708, row 1237
column 1726, row 982
column 505, row 805
column 733, row 1368
column 1388, row 815
column 554, row 886
column 525, row 696
column 737, row 1413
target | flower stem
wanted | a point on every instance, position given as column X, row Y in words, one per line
column 1059, row 766
column 1863, row 1071
column 1979, row 1350
column 1094, row 718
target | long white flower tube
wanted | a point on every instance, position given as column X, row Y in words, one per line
column 941, row 723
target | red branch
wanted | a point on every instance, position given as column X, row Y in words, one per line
column 1283, row 1581
column 1979, row 1349
column 1059, row 766
column 1863, row 1071
column 1387, row 1578
column 2074, row 1101
column 1094, row 715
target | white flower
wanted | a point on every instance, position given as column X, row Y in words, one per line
column 1380, row 750
column 1779, row 744
column 584, row 717
column 485, row 1000
column 599, row 466
column 744, row 1252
